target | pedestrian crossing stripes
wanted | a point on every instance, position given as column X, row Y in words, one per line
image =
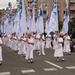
column 71, row 67
column 50, row 69
column 5, row 73
column 27, row 71
column 54, row 65
column 45, row 69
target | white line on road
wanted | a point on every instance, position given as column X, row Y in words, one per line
column 71, row 67
column 54, row 65
column 27, row 71
column 4, row 73
column 50, row 69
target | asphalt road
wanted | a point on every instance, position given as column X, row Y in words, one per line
column 14, row 64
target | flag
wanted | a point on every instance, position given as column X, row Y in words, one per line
column 10, row 22
column 6, row 25
column 39, row 22
column 20, row 25
column 4, row 22
column 29, row 21
column 47, row 22
column 17, row 26
column 33, row 25
column 66, row 20
column 33, row 2
column 28, row 6
column 22, row 17
column 53, row 23
column 2, row 27
column 46, row 5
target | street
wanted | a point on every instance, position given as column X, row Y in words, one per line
column 14, row 64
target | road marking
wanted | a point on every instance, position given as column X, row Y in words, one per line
column 54, row 65
column 50, row 69
column 4, row 73
column 27, row 71
column 71, row 67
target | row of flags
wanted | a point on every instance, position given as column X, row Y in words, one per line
column 23, row 24
column 53, row 23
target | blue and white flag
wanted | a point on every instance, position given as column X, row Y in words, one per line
column 28, row 6
column 39, row 22
column 10, row 23
column 66, row 20
column 33, row 25
column 47, row 22
column 46, row 5
column 20, row 19
column 16, row 23
column 29, row 21
column 23, row 22
column 17, row 19
column 6, row 25
column 2, row 27
column 33, row 2
column 53, row 23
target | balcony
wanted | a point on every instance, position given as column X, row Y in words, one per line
column 72, row 7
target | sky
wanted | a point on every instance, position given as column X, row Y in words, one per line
column 4, row 3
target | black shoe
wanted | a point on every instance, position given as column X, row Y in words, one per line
column 31, row 61
column 63, row 59
column 0, row 63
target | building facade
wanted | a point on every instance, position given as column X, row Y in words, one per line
column 61, row 7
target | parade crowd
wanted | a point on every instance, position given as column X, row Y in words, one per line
column 27, row 43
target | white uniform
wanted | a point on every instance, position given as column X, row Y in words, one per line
column 30, row 48
column 67, row 44
column 23, row 46
column 1, row 59
column 8, row 40
column 19, row 45
column 42, row 46
column 59, row 51
column 54, row 43
column 38, row 41
column 33, row 36
column 48, row 41
column 15, row 43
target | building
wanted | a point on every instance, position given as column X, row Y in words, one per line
column 61, row 7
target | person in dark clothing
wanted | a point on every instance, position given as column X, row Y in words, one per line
column 73, row 34
column 73, row 40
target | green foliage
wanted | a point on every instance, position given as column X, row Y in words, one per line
column 60, row 25
column 71, row 25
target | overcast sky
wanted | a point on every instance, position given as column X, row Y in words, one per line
column 4, row 3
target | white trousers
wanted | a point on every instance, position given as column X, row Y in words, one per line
column 29, row 54
column 1, row 59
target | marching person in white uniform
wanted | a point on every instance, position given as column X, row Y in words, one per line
column 67, row 43
column 30, row 48
column 37, row 37
column 23, row 46
column 42, row 45
column 48, row 41
column 1, row 59
column 59, row 50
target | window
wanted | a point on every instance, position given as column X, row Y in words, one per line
column 72, row 3
column 72, row 11
column 44, row 12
